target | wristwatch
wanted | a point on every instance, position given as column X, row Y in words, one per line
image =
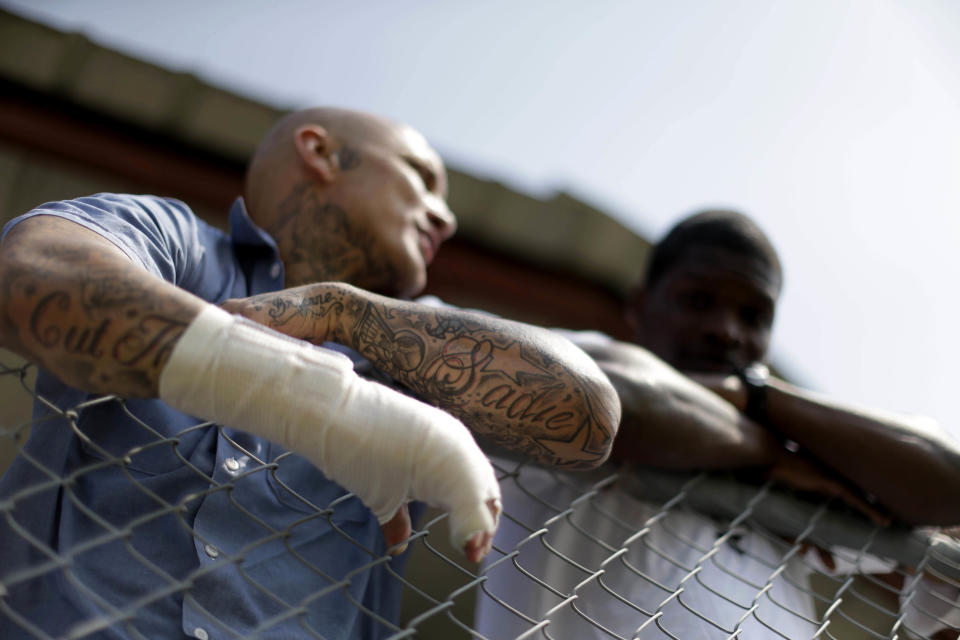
column 754, row 378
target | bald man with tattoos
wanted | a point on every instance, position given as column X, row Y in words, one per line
column 196, row 507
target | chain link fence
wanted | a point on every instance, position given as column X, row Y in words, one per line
column 614, row 553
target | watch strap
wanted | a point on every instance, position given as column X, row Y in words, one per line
column 754, row 378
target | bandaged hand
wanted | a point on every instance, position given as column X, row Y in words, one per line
column 383, row 446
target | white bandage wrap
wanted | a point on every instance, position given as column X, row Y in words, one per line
column 383, row 446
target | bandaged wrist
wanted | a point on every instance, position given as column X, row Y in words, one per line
column 383, row 446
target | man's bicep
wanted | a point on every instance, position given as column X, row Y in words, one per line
column 160, row 234
column 56, row 236
column 73, row 302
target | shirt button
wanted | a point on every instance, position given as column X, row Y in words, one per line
column 201, row 634
column 231, row 464
column 211, row 551
column 275, row 270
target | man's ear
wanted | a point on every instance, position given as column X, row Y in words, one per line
column 636, row 300
column 315, row 150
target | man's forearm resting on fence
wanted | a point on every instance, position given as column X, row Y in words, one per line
column 670, row 421
column 523, row 387
column 909, row 465
column 74, row 303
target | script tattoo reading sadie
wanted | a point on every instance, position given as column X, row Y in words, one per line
column 89, row 318
column 513, row 393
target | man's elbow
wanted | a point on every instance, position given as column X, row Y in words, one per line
column 927, row 495
column 608, row 418
column 597, row 416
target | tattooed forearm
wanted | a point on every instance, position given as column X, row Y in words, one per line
column 519, row 386
column 498, row 377
column 149, row 342
column 107, row 289
column 283, row 309
column 85, row 312
column 294, row 312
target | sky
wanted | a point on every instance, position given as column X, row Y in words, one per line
column 834, row 123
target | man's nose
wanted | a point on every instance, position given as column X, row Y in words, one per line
column 727, row 330
column 442, row 218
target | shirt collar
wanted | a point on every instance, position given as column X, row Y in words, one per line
column 244, row 232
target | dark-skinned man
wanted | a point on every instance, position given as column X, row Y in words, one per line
column 696, row 394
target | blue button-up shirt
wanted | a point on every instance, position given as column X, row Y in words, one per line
column 130, row 520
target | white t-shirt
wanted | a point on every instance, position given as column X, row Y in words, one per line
column 631, row 564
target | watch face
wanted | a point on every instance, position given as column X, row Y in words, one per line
column 754, row 379
column 756, row 374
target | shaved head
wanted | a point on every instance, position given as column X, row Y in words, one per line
column 275, row 161
column 351, row 197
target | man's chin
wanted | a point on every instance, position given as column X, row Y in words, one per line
column 396, row 281
column 409, row 288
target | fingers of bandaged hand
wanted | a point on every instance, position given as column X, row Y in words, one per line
column 454, row 474
column 380, row 444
